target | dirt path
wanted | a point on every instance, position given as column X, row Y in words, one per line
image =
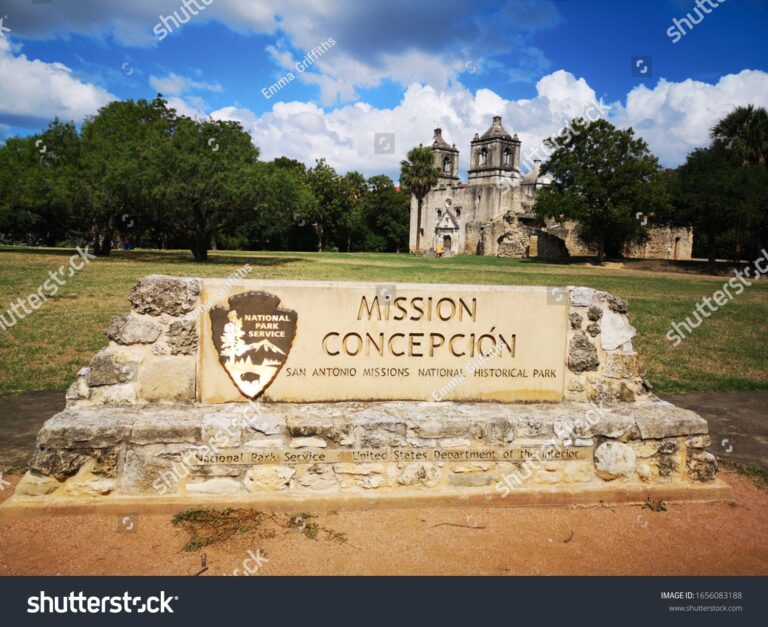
column 687, row 539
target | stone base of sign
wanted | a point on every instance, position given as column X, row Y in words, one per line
column 363, row 454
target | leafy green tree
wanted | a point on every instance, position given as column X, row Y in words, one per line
column 744, row 133
column 386, row 212
column 120, row 165
column 204, row 171
column 418, row 175
column 354, row 189
column 603, row 179
column 327, row 214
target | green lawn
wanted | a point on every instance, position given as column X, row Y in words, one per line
column 729, row 351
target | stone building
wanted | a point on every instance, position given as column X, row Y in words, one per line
column 492, row 213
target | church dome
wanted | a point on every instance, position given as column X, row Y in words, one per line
column 496, row 130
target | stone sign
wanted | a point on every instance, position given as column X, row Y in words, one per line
column 312, row 341
column 315, row 393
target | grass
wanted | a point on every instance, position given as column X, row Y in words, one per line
column 44, row 351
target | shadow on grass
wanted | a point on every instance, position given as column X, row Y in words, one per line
column 232, row 257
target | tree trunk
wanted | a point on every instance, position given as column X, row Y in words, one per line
column 711, row 247
column 319, row 229
column 418, row 226
column 200, row 248
column 601, row 249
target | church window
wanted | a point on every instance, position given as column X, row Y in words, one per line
column 507, row 157
column 447, row 165
column 483, row 158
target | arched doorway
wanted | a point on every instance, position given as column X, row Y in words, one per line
column 447, row 242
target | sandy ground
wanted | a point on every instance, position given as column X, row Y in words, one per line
column 724, row 538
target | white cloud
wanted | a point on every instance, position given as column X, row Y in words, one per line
column 344, row 136
column 674, row 118
column 35, row 92
column 376, row 40
column 175, row 85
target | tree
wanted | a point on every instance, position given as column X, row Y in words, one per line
column 386, row 212
column 327, row 213
column 744, row 132
column 120, row 166
column 418, row 175
column 204, row 168
column 603, row 178
column 703, row 192
column 354, row 189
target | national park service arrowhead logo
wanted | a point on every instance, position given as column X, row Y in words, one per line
column 253, row 338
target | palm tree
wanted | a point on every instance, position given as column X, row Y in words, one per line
column 418, row 174
column 744, row 132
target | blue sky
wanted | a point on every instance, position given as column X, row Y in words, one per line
column 392, row 67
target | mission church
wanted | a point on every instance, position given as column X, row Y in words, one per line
column 492, row 213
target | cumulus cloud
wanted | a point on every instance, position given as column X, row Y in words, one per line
column 345, row 135
column 674, row 118
column 34, row 92
column 376, row 40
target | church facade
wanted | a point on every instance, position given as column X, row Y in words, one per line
column 492, row 213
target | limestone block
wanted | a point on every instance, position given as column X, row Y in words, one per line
column 168, row 379
column 222, row 430
column 698, row 441
column 165, row 427
column 367, row 476
column 419, row 474
column 133, row 329
column 215, row 487
column 616, row 331
column 701, row 466
column 111, row 367
column 156, row 295
column 581, row 296
column 268, row 478
column 307, row 443
column 124, row 394
column 595, row 313
column 182, row 337
column 663, row 420
column 621, row 366
column 575, row 319
column 582, row 354
column 614, row 460
column 32, row 484
column 471, row 467
column 259, row 443
column 441, row 428
column 473, row 480
column 317, row 477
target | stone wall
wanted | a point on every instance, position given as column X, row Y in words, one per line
column 664, row 243
column 152, row 351
column 603, row 366
column 407, row 447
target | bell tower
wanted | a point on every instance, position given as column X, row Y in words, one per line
column 495, row 156
column 446, row 159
